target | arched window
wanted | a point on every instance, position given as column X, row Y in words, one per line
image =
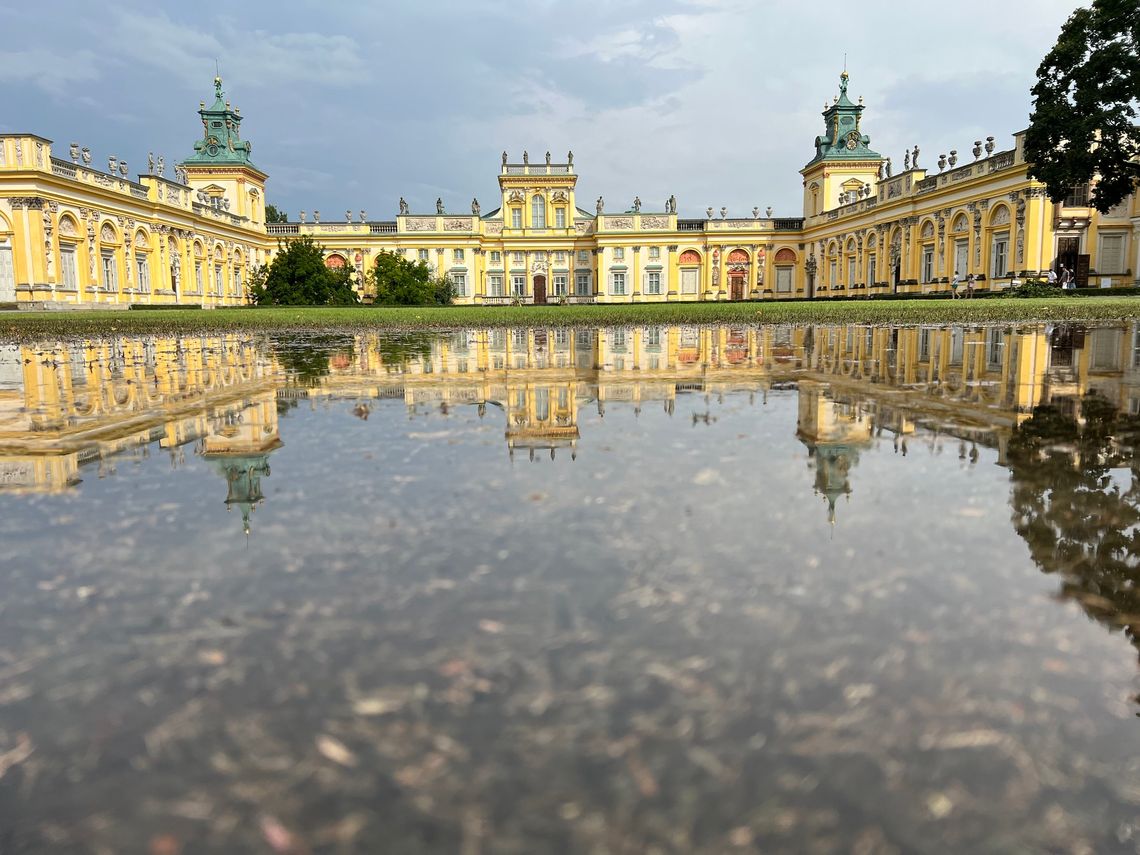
column 538, row 212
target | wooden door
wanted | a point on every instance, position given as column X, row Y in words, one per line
column 539, row 289
column 736, row 286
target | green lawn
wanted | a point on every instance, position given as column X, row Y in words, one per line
column 26, row 325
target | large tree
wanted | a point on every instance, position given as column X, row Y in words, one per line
column 298, row 276
column 272, row 215
column 1083, row 126
column 399, row 282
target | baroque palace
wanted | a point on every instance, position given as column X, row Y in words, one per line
column 74, row 234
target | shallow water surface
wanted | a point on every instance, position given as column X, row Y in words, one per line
column 652, row 590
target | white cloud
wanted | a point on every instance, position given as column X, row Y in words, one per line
column 54, row 71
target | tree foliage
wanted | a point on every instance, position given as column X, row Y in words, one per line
column 272, row 215
column 1083, row 126
column 399, row 282
column 298, row 276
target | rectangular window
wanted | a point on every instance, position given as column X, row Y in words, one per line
column 962, row 257
column 583, row 255
column 653, row 339
column 1136, row 345
column 538, row 213
column 653, row 282
column 459, row 280
column 560, row 284
column 832, row 270
column 619, row 342
column 69, row 276
column 1000, row 256
column 851, row 272
column 199, row 277
column 237, row 281
column 617, row 283
column 1105, row 350
column 654, row 252
column 457, row 255
column 619, row 253
column 516, row 218
column 783, row 280
column 518, row 286
column 994, row 346
column 496, row 257
column 423, row 255
column 924, row 344
column 582, row 284
column 516, row 258
column 1079, row 198
column 219, row 283
column 560, row 218
column 689, row 281
column 497, row 340
column 110, row 274
column 872, row 270
column 1110, row 258
column 927, row 264
column 495, row 285
column 560, row 257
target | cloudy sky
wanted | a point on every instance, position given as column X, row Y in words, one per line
column 353, row 104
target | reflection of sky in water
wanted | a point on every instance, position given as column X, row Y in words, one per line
column 426, row 644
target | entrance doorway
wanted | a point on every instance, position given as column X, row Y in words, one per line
column 539, row 289
column 736, row 287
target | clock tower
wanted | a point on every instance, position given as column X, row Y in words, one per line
column 843, row 160
column 220, row 166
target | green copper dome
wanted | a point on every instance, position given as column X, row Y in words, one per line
column 221, row 142
column 843, row 139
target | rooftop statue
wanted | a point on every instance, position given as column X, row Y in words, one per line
column 403, row 206
column 439, row 206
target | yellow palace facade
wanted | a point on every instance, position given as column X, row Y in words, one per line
column 74, row 234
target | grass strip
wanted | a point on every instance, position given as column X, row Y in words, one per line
column 17, row 326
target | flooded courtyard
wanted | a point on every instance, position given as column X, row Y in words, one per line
column 843, row 589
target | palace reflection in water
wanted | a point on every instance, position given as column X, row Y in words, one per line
column 604, row 544
column 67, row 406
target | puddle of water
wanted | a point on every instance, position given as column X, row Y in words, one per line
column 820, row 589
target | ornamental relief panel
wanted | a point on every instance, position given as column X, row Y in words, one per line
column 652, row 222
column 516, row 196
column 107, row 234
column 420, row 224
column 494, row 228
column 457, row 224
column 558, row 196
column 619, row 223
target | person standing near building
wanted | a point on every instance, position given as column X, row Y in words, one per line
column 970, row 280
column 1051, row 277
column 955, row 284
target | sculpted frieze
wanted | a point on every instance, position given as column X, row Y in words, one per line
column 420, row 224
column 619, row 223
column 494, row 228
column 653, row 222
column 457, row 224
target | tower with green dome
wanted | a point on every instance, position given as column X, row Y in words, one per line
column 844, row 168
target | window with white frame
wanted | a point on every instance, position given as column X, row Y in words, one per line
column 653, row 282
column 496, row 257
column 219, row 283
column 994, row 346
column 422, row 255
column 583, row 255
column 7, row 271
column 459, row 281
column 199, row 277
column 1106, row 344
column 617, row 283
column 518, row 286
column 618, row 342
column 559, row 257
column 142, row 268
column 110, row 273
column 783, row 280
column 538, row 212
column 872, row 271
column 654, row 253
column 1110, row 257
column 457, row 255
column 68, row 272
column 516, row 218
column 560, row 284
column 619, row 253
column 582, row 284
column 516, row 258
column 495, row 285
column 851, row 272
column 928, row 264
column 653, row 339
column 560, row 218
column 999, row 256
column 832, row 271
column 237, row 281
